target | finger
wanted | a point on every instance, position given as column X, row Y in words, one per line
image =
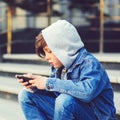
column 33, row 85
column 29, row 86
column 15, row 76
column 28, row 75
column 25, row 83
column 31, row 81
column 20, row 80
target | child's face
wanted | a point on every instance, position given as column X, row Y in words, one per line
column 51, row 58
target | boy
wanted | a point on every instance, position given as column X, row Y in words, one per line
column 78, row 87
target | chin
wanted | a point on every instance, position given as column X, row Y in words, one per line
column 57, row 67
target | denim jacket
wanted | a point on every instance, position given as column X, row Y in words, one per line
column 87, row 81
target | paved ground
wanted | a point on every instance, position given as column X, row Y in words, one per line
column 10, row 110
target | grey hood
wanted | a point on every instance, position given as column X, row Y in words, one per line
column 64, row 41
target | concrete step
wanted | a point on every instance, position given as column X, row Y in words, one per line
column 16, row 68
column 24, row 58
column 114, row 76
column 109, row 60
column 102, row 57
column 10, row 69
column 108, row 57
column 9, row 85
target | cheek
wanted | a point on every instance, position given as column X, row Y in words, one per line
column 58, row 63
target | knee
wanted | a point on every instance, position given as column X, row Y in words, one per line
column 64, row 101
column 23, row 95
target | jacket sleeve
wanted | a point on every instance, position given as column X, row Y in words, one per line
column 90, row 83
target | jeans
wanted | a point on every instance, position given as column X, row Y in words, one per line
column 44, row 105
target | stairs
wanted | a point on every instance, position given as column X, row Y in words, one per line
column 30, row 63
column 20, row 64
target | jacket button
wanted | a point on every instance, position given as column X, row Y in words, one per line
column 48, row 87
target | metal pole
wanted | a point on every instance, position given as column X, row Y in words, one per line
column 9, row 30
column 101, row 26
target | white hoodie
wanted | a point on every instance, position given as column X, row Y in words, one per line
column 64, row 41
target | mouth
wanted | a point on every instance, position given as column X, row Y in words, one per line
column 51, row 64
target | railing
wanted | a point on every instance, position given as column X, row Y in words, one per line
column 101, row 18
column 101, row 26
column 9, row 29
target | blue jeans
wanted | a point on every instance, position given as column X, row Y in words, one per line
column 44, row 105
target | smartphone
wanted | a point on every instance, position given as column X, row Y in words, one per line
column 25, row 79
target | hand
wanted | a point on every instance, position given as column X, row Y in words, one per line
column 25, row 84
column 37, row 81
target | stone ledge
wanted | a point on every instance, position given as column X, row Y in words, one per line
column 102, row 57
